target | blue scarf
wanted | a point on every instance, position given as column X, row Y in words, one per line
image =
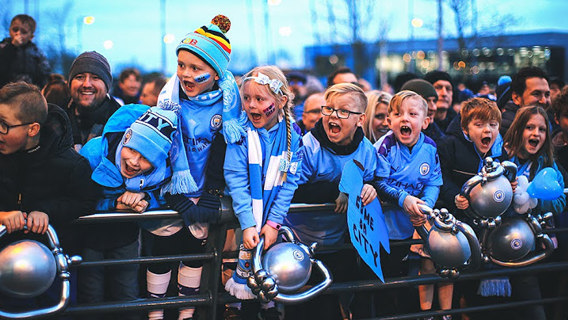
column 273, row 164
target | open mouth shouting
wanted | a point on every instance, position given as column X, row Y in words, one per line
column 533, row 145
column 405, row 131
column 188, row 86
column 255, row 117
column 334, row 128
column 486, row 142
column 129, row 171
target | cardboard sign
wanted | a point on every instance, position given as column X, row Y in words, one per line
column 366, row 224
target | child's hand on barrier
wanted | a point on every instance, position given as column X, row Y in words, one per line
column 37, row 222
column 410, row 205
column 514, row 185
column 270, row 235
column 250, row 238
column 461, row 202
column 141, row 206
column 131, row 199
column 341, row 203
column 13, row 220
column 368, row 194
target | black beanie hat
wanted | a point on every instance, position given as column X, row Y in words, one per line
column 436, row 75
column 422, row 87
column 91, row 62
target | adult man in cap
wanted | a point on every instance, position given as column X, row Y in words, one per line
column 312, row 112
column 529, row 86
column 442, row 82
column 297, row 81
column 427, row 91
column 90, row 80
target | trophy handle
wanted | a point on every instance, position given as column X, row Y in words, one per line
column 63, row 262
column 543, row 239
column 303, row 296
column 474, row 247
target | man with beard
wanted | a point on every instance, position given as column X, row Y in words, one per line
column 529, row 87
column 91, row 105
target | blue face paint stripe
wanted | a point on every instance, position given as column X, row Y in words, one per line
column 202, row 77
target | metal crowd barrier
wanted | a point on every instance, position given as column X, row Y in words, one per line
column 210, row 297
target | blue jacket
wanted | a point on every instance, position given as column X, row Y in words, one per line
column 238, row 180
column 100, row 152
column 319, row 179
column 401, row 173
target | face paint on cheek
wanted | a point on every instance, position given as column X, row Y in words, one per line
column 202, row 77
column 270, row 110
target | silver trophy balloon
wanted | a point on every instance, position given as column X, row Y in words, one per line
column 28, row 268
column 451, row 244
column 505, row 241
column 489, row 192
column 284, row 269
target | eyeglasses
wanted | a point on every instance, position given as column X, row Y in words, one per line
column 5, row 128
column 341, row 113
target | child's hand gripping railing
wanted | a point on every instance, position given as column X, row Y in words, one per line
column 28, row 268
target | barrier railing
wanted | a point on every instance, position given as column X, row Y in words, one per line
column 210, row 298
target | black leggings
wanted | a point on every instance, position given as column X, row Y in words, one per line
column 182, row 242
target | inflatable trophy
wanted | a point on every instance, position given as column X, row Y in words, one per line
column 28, row 268
column 451, row 244
column 284, row 269
column 511, row 241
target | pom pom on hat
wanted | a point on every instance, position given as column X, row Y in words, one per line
column 210, row 44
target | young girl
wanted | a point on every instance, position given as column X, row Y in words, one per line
column 529, row 146
column 261, row 170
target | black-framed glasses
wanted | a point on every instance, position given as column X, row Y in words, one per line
column 341, row 113
column 5, row 128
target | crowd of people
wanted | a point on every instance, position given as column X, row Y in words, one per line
column 266, row 139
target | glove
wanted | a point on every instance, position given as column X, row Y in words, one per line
column 204, row 211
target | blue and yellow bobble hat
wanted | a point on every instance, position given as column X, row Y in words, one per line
column 210, row 44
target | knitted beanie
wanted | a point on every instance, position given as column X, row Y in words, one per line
column 210, row 44
column 152, row 135
column 91, row 62
column 422, row 87
column 436, row 75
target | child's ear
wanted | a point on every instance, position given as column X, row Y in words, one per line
column 216, row 76
column 283, row 101
column 33, row 129
column 426, row 123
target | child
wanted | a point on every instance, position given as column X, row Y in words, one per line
column 528, row 144
column 261, row 170
column 129, row 162
column 336, row 139
column 210, row 104
column 20, row 58
column 462, row 151
column 408, row 175
column 42, row 179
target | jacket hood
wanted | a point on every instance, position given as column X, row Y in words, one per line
column 55, row 134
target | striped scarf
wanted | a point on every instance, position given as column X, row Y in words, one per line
column 273, row 165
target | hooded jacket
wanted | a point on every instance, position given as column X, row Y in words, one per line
column 25, row 63
column 52, row 178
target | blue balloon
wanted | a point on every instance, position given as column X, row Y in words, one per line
column 545, row 185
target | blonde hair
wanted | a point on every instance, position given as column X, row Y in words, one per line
column 398, row 99
column 374, row 98
column 348, row 88
column 274, row 73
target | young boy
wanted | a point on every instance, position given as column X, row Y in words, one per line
column 336, row 139
column 462, row 152
column 210, row 104
column 20, row 58
column 408, row 174
column 129, row 163
column 42, row 179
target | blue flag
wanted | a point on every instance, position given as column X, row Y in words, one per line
column 366, row 224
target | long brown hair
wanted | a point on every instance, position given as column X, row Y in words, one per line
column 513, row 140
